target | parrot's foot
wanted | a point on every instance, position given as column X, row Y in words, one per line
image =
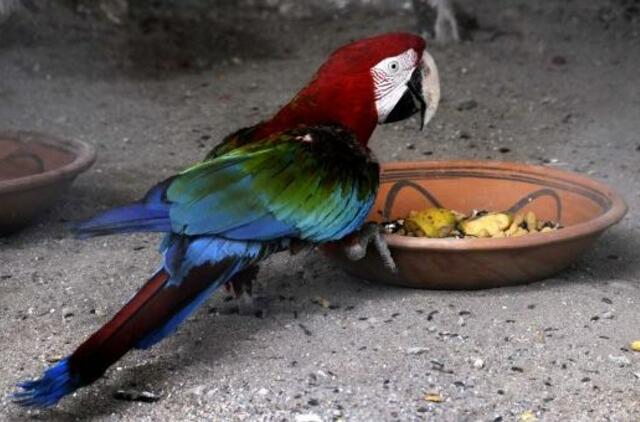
column 370, row 232
column 249, row 299
column 252, row 305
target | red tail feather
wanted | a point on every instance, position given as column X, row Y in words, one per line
column 149, row 310
column 112, row 341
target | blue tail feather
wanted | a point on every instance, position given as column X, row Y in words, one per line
column 149, row 215
column 127, row 219
column 55, row 383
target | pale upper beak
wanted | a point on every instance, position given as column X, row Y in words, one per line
column 424, row 87
column 430, row 88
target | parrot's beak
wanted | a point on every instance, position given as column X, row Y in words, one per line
column 422, row 94
column 424, row 85
column 417, row 95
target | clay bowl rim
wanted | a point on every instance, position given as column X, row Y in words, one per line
column 85, row 155
column 588, row 228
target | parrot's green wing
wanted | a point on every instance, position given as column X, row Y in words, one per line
column 316, row 184
column 230, row 142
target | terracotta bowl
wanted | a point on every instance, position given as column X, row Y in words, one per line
column 585, row 207
column 35, row 169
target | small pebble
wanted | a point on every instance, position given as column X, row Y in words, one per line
column 308, row 417
column 417, row 350
column 621, row 361
column 318, row 300
column 467, row 105
column 132, row 395
column 478, row 363
column 305, row 330
column 433, row 398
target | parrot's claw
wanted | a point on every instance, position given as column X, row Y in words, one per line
column 248, row 291
column 370, row 232
column 244, row 302
column 252, row 305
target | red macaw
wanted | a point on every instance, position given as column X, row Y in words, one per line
column 306, row 176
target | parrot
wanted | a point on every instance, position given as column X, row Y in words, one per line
column 303, row 177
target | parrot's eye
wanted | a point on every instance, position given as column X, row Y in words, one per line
column 394, row 66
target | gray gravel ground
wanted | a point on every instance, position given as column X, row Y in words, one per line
column 558, row 85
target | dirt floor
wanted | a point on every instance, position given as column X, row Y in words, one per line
column 551, row 82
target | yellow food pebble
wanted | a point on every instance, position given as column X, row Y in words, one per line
column 433, row 222
column 434, row 398
column 527, row 416
column 519, row 232
column 532, row 221
column 459, row 216
column 321, row 301
column 518, row 219
column 487, row 225
column 635, row 346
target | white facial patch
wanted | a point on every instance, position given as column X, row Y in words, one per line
column 390, row 78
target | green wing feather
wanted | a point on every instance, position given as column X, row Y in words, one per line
column 316, row 184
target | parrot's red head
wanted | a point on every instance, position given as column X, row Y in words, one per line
column 375, row 80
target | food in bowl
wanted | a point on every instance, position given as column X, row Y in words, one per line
column 443, row 223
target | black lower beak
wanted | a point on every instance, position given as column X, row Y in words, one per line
column 410, row 102
column 415, row 88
